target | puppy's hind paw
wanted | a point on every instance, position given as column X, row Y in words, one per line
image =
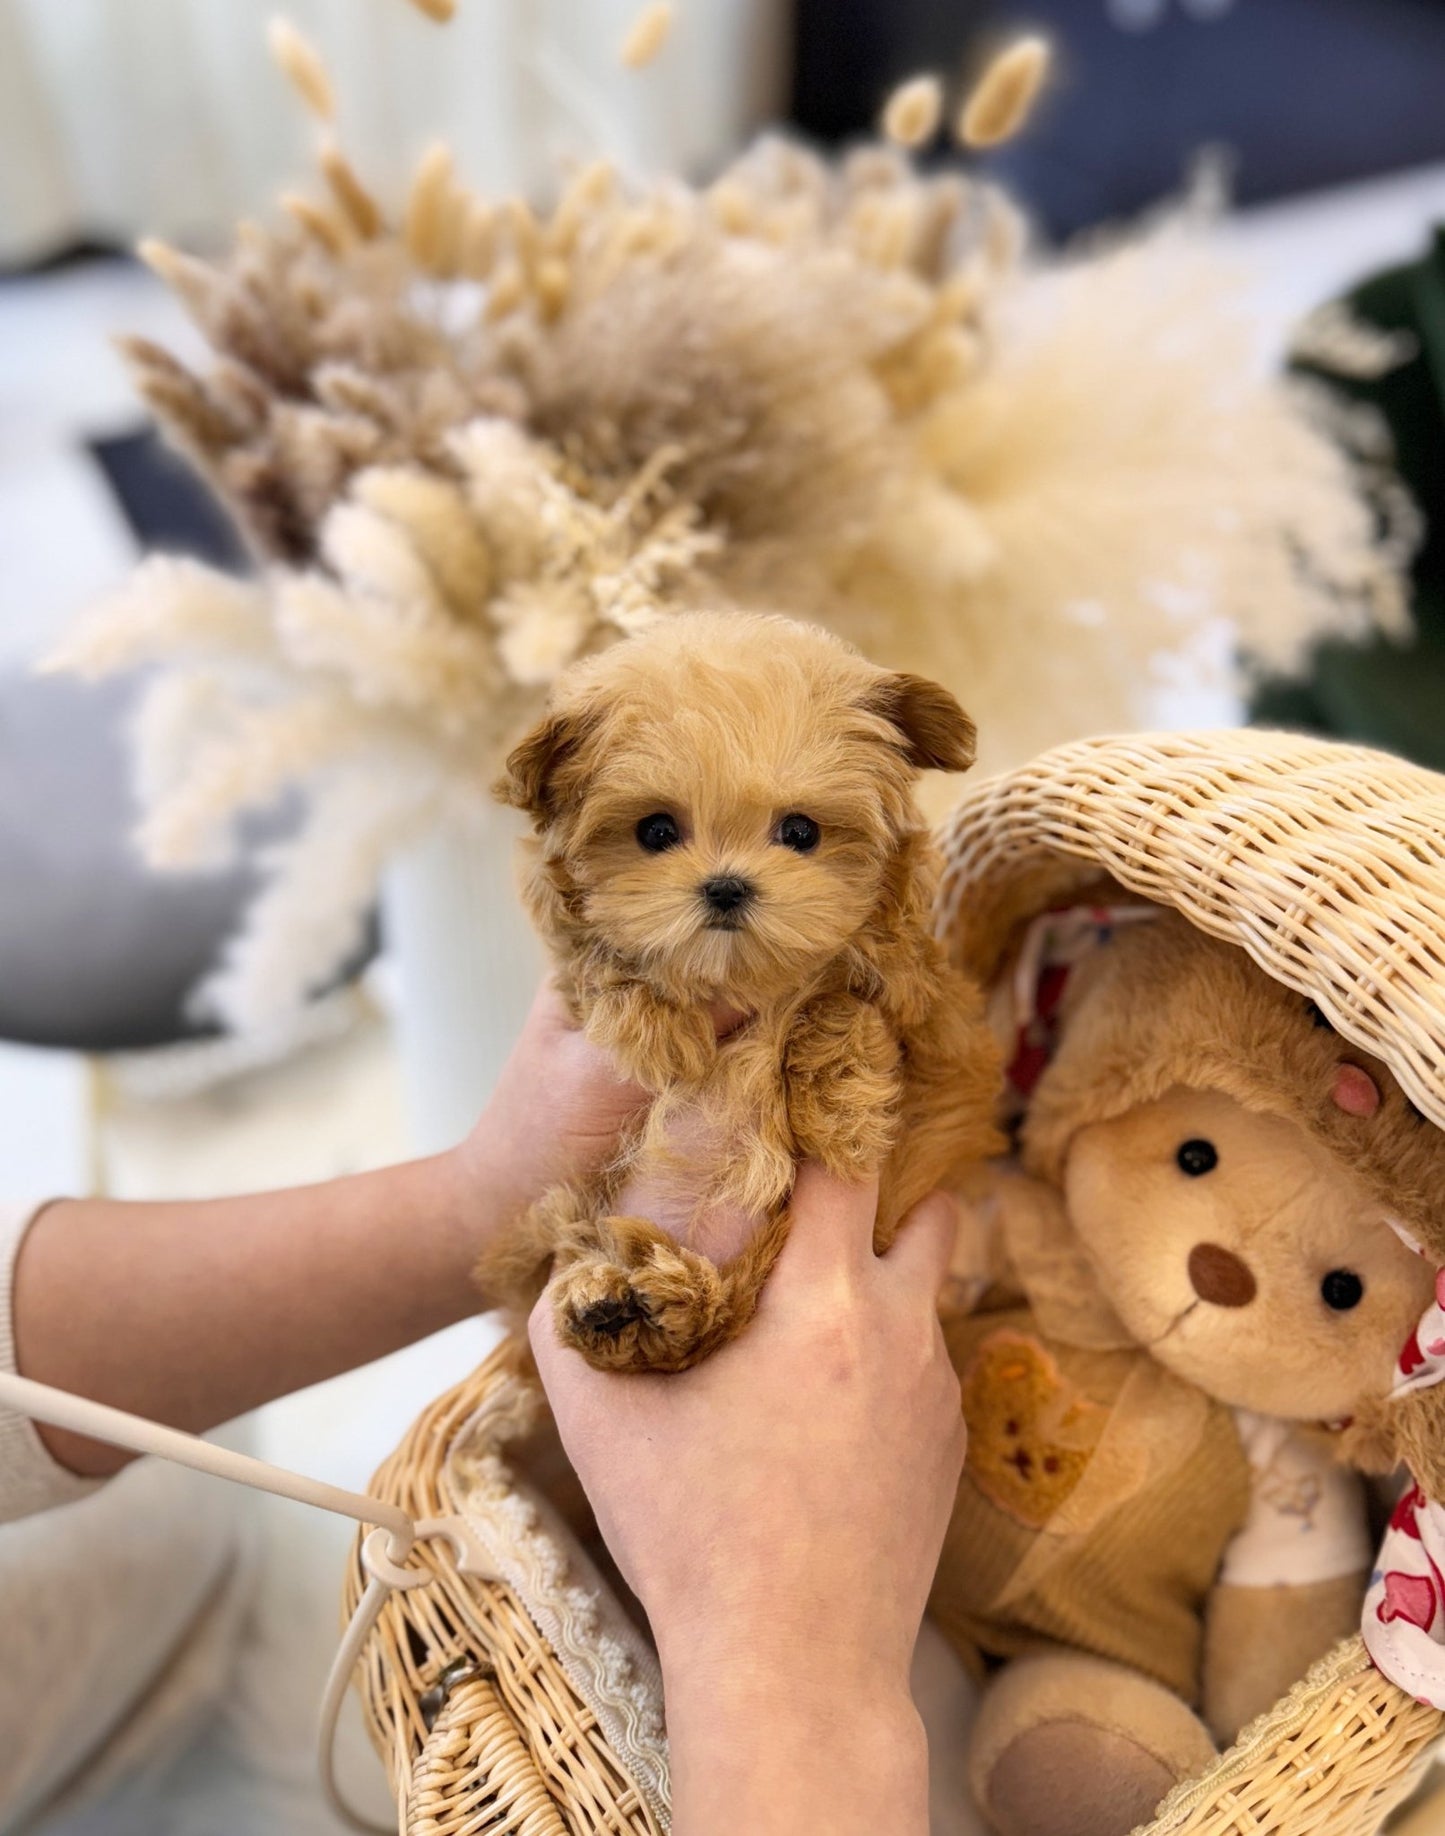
column 660, row 1312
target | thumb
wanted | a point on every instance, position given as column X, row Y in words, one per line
column 579, row 1397
column 923, row 1249
column 542, row 1334
column 830, row 1224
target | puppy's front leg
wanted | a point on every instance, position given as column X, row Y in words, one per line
column 842, row 1085
column 559, row 1228
column 627, row 1295
column 655, row 1042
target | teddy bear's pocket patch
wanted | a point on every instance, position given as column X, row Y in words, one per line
column 1030, row 1432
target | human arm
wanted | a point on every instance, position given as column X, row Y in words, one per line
column 193, row 1312
column 779, row 1510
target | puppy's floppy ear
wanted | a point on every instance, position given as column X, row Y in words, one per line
column 527, row 780
column 939, row 735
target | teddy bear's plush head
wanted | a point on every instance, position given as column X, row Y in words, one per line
column 1236, row 1173
column 1245, row 1254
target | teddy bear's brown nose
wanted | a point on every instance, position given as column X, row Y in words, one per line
column 1220, row 1277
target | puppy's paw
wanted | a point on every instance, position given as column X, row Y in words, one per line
column 650, row 1306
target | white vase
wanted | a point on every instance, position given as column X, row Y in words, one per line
column 467, row 964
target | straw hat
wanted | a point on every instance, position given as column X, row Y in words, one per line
column 1324, row 863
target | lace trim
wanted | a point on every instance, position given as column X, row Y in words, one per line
column 604, row 1657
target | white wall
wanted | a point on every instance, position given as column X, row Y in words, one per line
column 120, row 117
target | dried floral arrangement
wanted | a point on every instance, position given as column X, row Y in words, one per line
column 472, row 443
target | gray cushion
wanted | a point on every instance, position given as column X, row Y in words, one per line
column 96, row 953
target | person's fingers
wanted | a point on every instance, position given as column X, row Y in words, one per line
column 547, row 1349
column 923, row 1249
column 548, row 1007
column 550, row 1022
column 830, row 1224
column 589, row 1406
column 590, row 1101
column 596, row 1069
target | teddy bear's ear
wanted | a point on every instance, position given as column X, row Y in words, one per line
column 1417, row 1436
column 1387, row 1432
column 939, row 735
column 529, row 775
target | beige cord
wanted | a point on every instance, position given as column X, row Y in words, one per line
column 384, row 1552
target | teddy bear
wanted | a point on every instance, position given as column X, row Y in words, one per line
column 1197, row 1273
column 725, row 825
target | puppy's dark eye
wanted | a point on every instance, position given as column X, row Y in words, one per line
column 1317, row 1018
column 1342, row 1289
column 800, row 833
column 658, row 833
column 1196, row 1157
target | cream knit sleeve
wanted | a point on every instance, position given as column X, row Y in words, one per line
column 30, row 1480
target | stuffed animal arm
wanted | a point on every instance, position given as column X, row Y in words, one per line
column 1293, row 1575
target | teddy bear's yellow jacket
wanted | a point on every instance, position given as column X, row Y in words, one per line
column 1100, row 1491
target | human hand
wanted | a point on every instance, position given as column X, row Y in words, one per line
column 557, row 1112
column 779, row 1511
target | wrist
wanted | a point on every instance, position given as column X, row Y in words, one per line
column 803, row 1676
column 744, row 1640
column 494, row 1169
column 793, row 1745
column 466, row 1207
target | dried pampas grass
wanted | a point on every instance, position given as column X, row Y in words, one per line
column 361, row 210
column 647, row 35
column 1000, row 103
column 477, row 444
column 299, row 59
column 913, row 112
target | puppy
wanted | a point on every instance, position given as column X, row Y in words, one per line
column 725, row 820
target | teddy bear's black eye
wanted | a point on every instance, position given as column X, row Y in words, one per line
column 798, row 832
column 1342, row 1289
column 658, row 833
column 1196, row 1157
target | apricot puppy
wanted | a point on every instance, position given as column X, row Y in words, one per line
column 724, row 817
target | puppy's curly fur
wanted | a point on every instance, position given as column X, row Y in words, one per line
column 724, row 817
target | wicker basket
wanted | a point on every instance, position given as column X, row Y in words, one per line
column 531, row 1706
column 528, row 1705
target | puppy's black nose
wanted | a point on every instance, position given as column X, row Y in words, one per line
column 727, row 894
